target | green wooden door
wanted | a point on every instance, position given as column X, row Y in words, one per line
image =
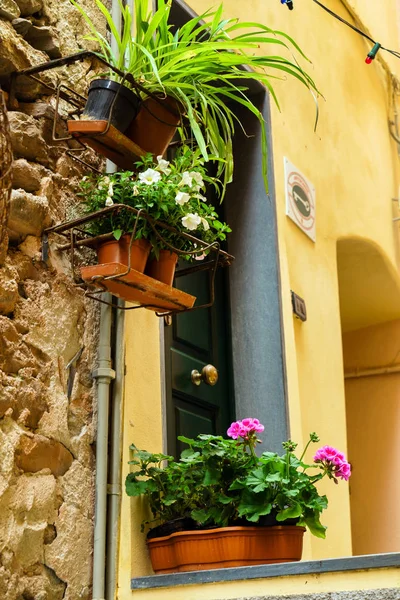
column 194, row 340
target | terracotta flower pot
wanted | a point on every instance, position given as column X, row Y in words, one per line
column 117, row 251
column 163, row 269
column 226, row 547
column 154, row 126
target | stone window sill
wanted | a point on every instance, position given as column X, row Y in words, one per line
column 331, row 565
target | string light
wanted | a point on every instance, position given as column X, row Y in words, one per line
column 376, row 45
column 373, row 53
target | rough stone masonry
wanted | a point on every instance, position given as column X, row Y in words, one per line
column 47, row 429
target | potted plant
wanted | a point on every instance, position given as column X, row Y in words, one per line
column 197, row 70
column 253, row 510
column 168, row 192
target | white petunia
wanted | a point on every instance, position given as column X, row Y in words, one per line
column 149, row 176
column 163, row 165
column 200, row 197
column 186, row 179
column 205, row 224
column 109, row 201
column 104, row 182
column 197, row 177
column 110, row 190
column 136, row 190
column 181, row 198
column 191, row 221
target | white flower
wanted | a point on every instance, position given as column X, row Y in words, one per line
column 200, row 197
column 186, row 179
column 181, row 198
column 110, row 190
column 149, row 176
column 191, row 221
column 104, row 182
column 205, row 224
column 84, row 178
column 136, row 190
column 197, row 177
column 163, row 165
column 109, row 201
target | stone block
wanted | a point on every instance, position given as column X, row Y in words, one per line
column 29, row 7
column 16, row 53
column 77, row 488
column 21, row 26
column 37, row 109
column 74, row 567
column 29, row 214
column 8, row 291
column 26, row 139
column 41, row 583
column 9, row 10
column 44, row 39
column 31, row 247
column 26, row 175
column 3, row 248
column 37, row 453
column 25, row 396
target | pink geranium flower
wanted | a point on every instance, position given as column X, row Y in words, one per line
column 245, row 428
column 334, row 462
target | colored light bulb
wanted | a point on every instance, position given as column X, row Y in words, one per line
column 368, row 60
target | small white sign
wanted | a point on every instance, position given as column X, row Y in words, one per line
column 300, row 199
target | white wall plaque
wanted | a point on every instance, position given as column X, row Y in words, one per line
column 300, row 199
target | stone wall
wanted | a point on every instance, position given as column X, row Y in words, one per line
column 47, row 410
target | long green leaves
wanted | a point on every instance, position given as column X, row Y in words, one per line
column 205, row 65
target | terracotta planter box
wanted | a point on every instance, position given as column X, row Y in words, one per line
column 225, row 547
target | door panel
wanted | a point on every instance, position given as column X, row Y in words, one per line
column 194, row 340
column 195, row 333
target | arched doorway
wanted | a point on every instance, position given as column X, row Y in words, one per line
column 369, row 290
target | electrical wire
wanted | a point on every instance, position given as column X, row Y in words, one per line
column 376, row 45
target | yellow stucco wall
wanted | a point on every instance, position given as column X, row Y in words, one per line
column 352, row 162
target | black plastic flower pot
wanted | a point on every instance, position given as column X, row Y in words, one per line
column 102, row 94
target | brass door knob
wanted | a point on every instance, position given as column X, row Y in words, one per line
column 209, row 375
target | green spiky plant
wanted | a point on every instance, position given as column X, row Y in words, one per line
column 186, row 62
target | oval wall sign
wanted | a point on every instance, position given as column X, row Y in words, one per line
column 300, row 200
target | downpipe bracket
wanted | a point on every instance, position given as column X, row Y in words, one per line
column 105, row 372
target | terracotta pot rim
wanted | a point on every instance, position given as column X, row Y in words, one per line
column 126, row 235
column 233, row 528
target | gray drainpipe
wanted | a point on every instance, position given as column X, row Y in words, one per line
column 114, row 487
column 107, row 522
column 104, row 374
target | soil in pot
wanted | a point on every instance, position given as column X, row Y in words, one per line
column 117, row 251
column 101, row 95
column 155, row 125
column 163, row 269
column 166, row 529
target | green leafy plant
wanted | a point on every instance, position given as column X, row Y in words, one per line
column 205, row 65
column 220, row 482
column 170, row 192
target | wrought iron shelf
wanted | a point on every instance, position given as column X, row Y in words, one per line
column 124, row 282
column 135, row 287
